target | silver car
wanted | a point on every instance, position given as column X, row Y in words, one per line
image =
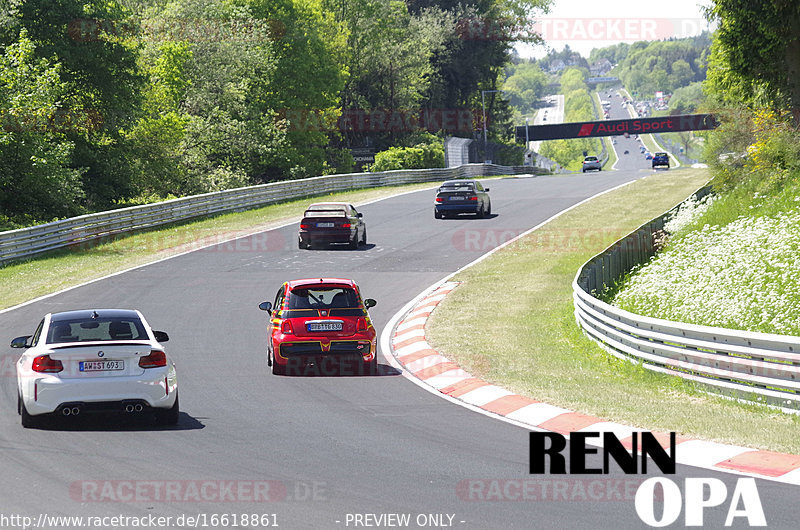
column 591, row 162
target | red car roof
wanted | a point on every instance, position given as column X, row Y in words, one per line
column 320, row 281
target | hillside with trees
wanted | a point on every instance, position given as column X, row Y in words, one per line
column 647, row 67
column 111, row 103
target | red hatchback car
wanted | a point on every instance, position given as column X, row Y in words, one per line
column 320, row 323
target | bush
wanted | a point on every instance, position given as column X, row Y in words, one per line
column 421, row 156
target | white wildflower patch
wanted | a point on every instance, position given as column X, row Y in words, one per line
column 742, row 276
column 687, row 212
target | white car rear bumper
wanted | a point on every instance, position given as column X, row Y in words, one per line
column 42, row 394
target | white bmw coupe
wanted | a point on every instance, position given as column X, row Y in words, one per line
column 102, row 360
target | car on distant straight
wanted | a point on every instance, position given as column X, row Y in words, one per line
column 454, row 197
column 101, row 360
column 591, row 162
column 328, row 223
column 660, row 159
column 320, row 323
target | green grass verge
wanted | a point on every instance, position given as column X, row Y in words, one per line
column 612, row 154
column 54, row 271
column 527, row 341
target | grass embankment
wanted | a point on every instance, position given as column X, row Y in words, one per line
column 527, row 341
column 733, row 264
column 26, row 280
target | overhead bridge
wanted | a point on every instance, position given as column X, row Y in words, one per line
column 589, row 129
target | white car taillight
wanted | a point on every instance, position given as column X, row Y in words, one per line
column 45, row 364
column 154, row 360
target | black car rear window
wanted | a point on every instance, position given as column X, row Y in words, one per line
column 326, row 212
column 457, row 187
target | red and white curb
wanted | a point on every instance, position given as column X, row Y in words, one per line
column 418, row 359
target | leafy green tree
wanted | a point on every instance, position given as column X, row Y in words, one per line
column 756, row 52
column 158, row 136
column 525, row 86
column 686, row 100
column 663, row 66
column 94, row 43
column 36, row 180
column 304, row 88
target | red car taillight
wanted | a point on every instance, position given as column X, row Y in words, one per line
column 304, row 227
column 439, row 199
column 154, row 360
column 361, row 325
column 346, row 225
column 286, row 327
column 45, row 364
column 472, row 198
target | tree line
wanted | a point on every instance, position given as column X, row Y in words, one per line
column 109, row 103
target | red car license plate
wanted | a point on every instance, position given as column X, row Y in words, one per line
column 324, row 326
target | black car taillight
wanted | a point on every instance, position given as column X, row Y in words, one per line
column 45, row 364
column 154, row 360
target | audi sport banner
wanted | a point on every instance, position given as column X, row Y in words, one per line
column 684, row 122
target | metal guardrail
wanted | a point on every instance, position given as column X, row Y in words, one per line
column 757, row 367
column 79, row 231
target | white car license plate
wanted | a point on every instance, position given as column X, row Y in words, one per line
column 324, row 326
column 456, row 198
column 325, row 225
column 101, row 366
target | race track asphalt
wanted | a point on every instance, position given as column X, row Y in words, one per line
column 326, row 446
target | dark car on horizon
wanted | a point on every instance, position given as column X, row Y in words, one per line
column 661, row 159
column 462, row 196
column 329, row 223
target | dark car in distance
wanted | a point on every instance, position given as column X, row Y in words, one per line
column 660, row 160
column 327, row 223
column 462, row 196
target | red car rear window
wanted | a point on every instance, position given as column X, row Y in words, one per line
column 323, row 297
